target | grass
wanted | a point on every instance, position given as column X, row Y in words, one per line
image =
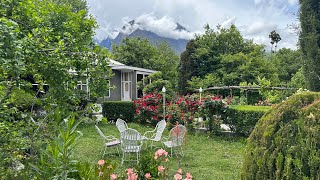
column 205, row 156
column 251, row 108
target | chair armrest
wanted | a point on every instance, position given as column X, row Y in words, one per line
column 148, row 132
column 110, row 138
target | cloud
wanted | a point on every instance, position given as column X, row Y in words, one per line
column 255, row 18
column 227, row 23
column 164, row 26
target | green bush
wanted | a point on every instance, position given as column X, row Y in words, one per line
column 242, row 119
column 113, row 110
column 285, row 143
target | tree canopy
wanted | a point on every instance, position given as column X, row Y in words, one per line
column 310, row 41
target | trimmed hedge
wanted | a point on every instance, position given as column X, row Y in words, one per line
column 242, row 119
column 285, row 143
column 113, row 110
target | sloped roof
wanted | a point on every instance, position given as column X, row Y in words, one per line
column 122, row 67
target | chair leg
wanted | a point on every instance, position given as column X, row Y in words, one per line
column 104, row 152
column 122, row 160
column 137, row 157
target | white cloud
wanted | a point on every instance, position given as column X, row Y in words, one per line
column 255, row 18
column 164, row 26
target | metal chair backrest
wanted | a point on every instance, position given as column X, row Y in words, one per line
column 121, row 125
column 177, row 135
column 100, row 133
column 161, row 125
column 131, row 139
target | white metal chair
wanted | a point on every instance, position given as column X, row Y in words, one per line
column 156, row 134
column 131, row 142
column 121, row 125
column 109, row 141
column 176, row 138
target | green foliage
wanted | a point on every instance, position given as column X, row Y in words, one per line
column 23, row 101
column 275, row 38
column 285, row 141
column 224, row 57
column 286, row 63
column 148, row 164
column 309, row 40
column 139, row 52
column 242, row 119
column 113, row 110
column 56, row 160
column 157, row 83
column 213, row 109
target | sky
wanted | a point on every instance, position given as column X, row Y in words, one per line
column 254, row 18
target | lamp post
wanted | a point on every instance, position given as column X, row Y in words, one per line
column 200, row 91
column 164, row 102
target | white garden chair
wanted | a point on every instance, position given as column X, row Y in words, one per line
column 176, row 139
column 131, row 142
column 121, row 125
column 108, row 141
column 156, row 134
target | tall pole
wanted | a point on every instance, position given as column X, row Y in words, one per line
column 200, row 91
column 164, row 102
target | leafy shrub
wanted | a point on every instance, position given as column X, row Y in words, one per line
column 148, row 108
column 23, row 100
column 148, row 164
column 182, row 110
column 242, row 119
column 213, row 109
column 113, row 110
column 285, row 143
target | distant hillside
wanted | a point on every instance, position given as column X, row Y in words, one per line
column 178, row 45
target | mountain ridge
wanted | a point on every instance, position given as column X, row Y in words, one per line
column 178, row 45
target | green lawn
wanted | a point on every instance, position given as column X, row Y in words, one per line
column 206, row 157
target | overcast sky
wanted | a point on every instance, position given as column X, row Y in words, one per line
column 254, row 18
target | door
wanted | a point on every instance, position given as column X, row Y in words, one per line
column 126, row 86
column 126, row 91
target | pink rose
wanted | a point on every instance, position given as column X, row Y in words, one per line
column 113, row 176
column 101, row 162
column 129, row 171
column 161, row 169
column 177, row 177
column 147, row 175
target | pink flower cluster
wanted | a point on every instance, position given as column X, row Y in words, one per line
column 131, row 175
column 160, row 153
column 178, row 175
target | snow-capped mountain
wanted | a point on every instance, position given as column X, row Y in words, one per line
column 134, row 29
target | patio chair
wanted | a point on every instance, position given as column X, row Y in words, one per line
column 108, row 141
column 156, row 134
column 121, row 125
column 131, row 142
column 176, row 139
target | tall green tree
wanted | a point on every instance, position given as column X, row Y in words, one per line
column 45, row 39
column 275, row 38
column 310, row 41
column 54, row 37
column 187, row 66
column 286, row 63
column 140, row 52
column 225, row 55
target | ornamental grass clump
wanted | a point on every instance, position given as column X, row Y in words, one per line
column 285, row 143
